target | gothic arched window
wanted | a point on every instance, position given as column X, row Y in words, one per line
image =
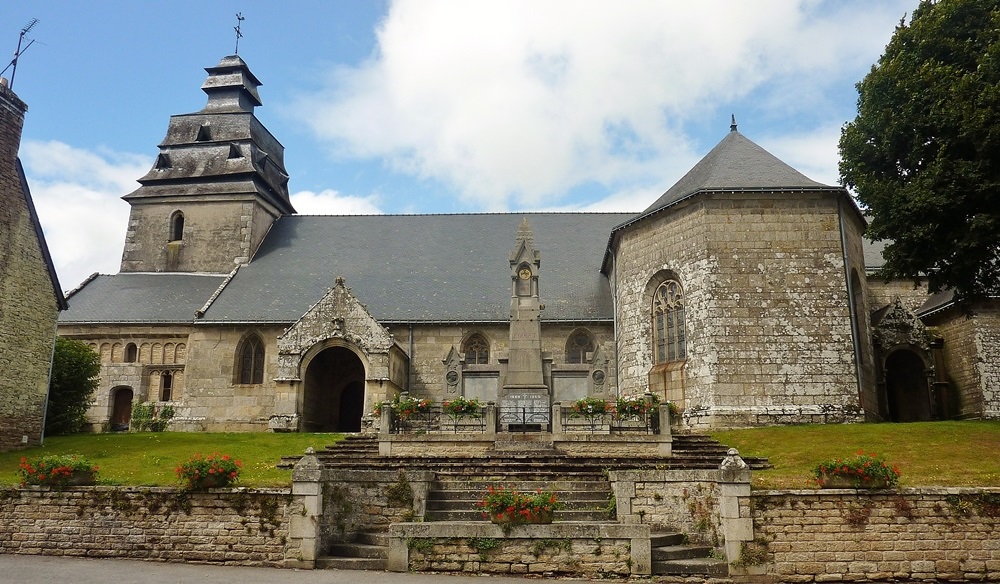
column 579, row 344
column 177, row 226
column 668, row 323
column 250, row 361
column 477, row 350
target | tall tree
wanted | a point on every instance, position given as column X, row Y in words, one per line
column 923, row 154
column 74, row 378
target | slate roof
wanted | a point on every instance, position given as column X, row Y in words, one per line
column 421, row 268
column 140, row 297
column 736, row 163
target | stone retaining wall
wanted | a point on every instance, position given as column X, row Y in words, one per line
column 560, row 548
column 224, row 526
column 907, row 534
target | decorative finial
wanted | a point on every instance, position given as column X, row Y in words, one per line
column 339, row 281
column 732, row 124
column 239, row 35
column 524, row 231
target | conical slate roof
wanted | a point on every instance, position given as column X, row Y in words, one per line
column 735, row 164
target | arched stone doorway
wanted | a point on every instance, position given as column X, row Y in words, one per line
column 907, row 392
column 121, row 408
column 333, row 392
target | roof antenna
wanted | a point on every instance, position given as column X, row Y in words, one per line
column 19, row 50
column 732, row 124
column 239, row 35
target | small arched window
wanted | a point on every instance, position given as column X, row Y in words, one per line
column 477, row 350
column 669, row 343
column 166, row 385
column 250, row 361
column 579, row 344
column 131, row 353
column 177, row 226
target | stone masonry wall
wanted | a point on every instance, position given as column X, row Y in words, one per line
column 767, row 313
column 431, row 344
column 971, row 354
column 217, row 236
column 28, row 307
column 881, row 293
column 848, row 535
column 227, row 527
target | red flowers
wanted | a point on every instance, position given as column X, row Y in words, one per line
column 203, row 472
column 57, row 470
column 862, row 471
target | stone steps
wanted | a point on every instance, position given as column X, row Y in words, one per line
column 671, row 556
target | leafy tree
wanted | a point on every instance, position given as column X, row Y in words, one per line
column 923, row 154
column 74, row 379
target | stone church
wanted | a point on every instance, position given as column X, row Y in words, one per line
column 745, row 294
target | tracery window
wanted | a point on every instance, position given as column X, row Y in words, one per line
column 250, row 361
column 669, row 342
column 578, row 346
column 477, row 350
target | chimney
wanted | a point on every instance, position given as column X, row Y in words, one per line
column 12, row 111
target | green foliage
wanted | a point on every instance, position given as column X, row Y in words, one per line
column 205, row 472
column 636, row 406
column 923, row 153
column 74, row 379
column 864, row 471
column 591, row 406
column 146, row 417
column 461, row 407
column 404, row 406
column 57, row 470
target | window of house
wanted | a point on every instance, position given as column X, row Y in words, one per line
column 251, row 361
column 578, row 346
column 177, row 226
column 477, row 350
column 131, row 353
column 166, row 385
column 669, row 342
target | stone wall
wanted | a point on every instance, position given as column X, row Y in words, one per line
column 769, row 335
column 238, row 527
column 881, row 292
column 217, row 236
column 598, row 550
column 28, row 303
column 848, row 535
column 367, row 501
column 971, row 355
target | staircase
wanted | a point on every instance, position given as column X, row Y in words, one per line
column 579, row 482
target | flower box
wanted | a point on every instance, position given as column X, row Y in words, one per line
column 842, row 482
column 543, row 517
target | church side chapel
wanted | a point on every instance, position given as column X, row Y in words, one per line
column 745, row 295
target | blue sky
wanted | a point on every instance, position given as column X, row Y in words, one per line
column 428, row 106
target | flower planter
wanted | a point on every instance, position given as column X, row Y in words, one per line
column 81, row 478
column 541, row 518
column 842, row 482
column 211, row 482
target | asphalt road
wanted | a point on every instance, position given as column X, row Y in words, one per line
column 24, row 569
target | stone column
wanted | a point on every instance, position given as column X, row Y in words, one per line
column 734, row 511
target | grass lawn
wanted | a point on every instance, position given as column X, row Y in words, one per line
column 933, row 453
column 149, row 458
column 927, row 453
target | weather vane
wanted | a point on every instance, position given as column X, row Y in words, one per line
column 239, row 35
column 19, row 51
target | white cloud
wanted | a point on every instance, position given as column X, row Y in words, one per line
column 517, row 102
column 77, row 194
column 330, row 202
column 814, row 153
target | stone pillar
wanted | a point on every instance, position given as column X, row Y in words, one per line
column 734, row 511
column 557, row 426
column 306, row 510
column 491, row 418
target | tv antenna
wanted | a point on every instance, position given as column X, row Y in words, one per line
column 239, row 35
column 17, row 54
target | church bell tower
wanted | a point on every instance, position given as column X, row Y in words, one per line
column 218, row 183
